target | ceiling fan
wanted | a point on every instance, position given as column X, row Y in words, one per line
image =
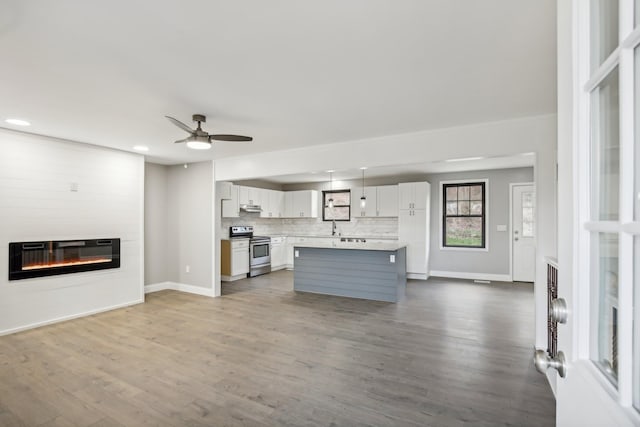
column 201, row 140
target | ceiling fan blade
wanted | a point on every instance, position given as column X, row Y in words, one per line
column 180, row 125
column 182, row 140
column 231, row 138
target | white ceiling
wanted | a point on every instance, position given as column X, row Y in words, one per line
column 289, row 73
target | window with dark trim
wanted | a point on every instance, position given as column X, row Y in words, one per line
column 341, row 210
column 463, row 216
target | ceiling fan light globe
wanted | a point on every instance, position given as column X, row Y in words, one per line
column 198, row 145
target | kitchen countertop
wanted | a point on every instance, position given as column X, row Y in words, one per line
column 352, row 245
column 225, row 236
column 324, row 236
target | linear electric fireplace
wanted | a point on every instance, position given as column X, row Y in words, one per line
column 37, row 259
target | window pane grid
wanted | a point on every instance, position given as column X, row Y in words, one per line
column 463, row 216
column 604, row 304
column 605, row 149
column 341, row 210
column 604, row 30
column 613, row 256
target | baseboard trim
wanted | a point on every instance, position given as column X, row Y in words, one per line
column 417, row 276
column 471, row 276
column 232, row 278
column 70, row 317
column 155, row 287
column 182, row 287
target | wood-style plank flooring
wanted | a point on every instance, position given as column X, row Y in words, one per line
column 452, row 353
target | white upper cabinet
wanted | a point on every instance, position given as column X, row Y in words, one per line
column 413, row 195
column 230, row 205
column 224, row 189
column 272, row 203
column 276, row 204
column 370, row 208
column 301, row 204
column 250, row 195
column 381, row 201
column 387, row 200
column 265, row 198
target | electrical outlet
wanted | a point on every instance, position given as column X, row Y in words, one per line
column 73, row 187
column 187, row 269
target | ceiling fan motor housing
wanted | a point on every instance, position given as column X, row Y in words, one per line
column 199, row 118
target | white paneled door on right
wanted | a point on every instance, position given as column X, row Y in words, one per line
column 599, row 215
column 523, row 241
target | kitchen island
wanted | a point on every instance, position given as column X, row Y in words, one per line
column 375, row 271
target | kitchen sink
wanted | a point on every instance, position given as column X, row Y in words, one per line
column 352, row 240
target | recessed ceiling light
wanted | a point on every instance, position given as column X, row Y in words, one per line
column 464, row 159
column 18, row 122
column 141, row 148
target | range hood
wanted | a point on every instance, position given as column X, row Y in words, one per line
column 251, row 208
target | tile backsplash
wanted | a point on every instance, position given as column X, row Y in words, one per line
column 357, row 227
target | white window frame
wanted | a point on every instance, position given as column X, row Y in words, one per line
column 486, row 214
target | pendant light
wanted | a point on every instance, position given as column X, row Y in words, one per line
column 363, row 199
column 330, row 204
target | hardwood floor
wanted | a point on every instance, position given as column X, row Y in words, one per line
column 452, row 353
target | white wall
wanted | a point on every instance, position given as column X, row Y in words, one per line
column 36, row 204
column 477, row 264
column 531, row 134
column 155, row 223
column 179, row 222
column 190, row 221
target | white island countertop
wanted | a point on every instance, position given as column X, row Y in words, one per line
column 363, row 246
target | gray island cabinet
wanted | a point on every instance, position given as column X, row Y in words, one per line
column 375, row 271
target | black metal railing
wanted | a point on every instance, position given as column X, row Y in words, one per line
column 552, row 293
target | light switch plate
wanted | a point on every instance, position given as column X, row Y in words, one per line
column 392, row 259
column 297, row 254
column 501, row 228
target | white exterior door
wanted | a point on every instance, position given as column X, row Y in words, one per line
column 523, row 233
column 599, row 212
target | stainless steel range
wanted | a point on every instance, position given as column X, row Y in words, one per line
column 259, row 249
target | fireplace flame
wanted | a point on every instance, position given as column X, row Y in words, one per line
column 65, row 263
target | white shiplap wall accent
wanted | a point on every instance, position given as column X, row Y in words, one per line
column 36, row 203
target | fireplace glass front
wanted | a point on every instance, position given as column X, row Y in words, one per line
column 37, row 259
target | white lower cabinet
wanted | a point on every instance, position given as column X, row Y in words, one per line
column 234, row 259
column 278, row 253
column 289, row 242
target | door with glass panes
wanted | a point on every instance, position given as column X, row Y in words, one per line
column 599, row 235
